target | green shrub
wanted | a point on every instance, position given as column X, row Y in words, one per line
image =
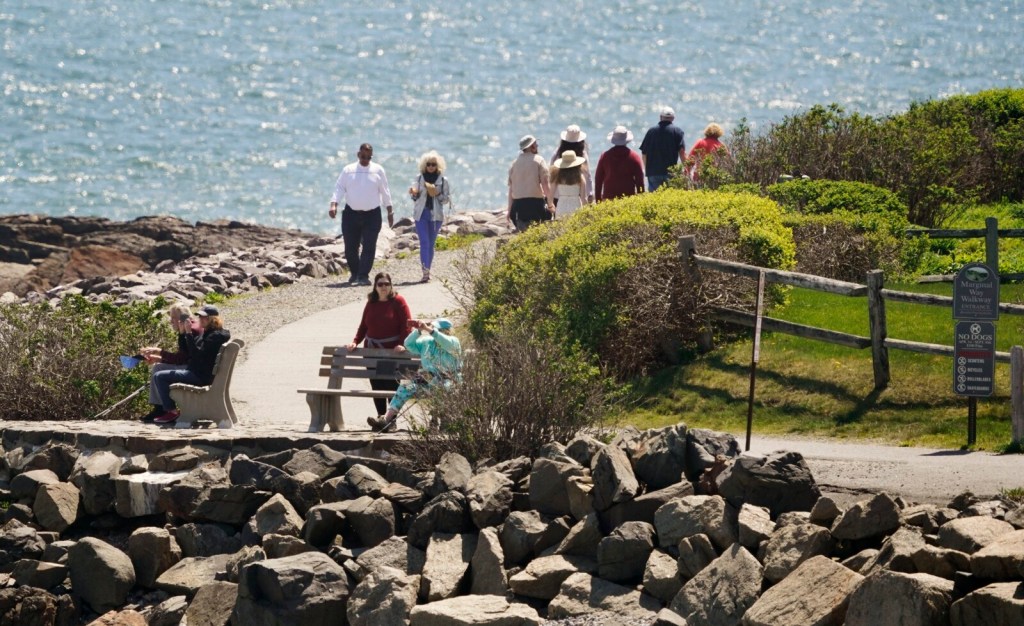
column 455, row 242
column 609, row 281
column 947, row 256
column 62, row 363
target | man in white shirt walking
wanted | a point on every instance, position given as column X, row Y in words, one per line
column 364, row 186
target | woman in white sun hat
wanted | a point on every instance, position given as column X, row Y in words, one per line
column 567, row 184
column 573, row 138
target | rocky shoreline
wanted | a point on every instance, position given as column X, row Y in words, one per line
column 667, row 527
column 43, row 258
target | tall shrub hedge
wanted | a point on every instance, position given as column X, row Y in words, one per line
column 609, row 282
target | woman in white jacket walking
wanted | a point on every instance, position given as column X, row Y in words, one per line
column 430, row 192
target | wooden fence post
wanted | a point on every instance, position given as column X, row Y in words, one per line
column 992, row 243
column 876, row 319
column 1017, row 392
column 687, row 248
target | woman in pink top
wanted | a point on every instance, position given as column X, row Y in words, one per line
column 385, row 324
column 709, row 146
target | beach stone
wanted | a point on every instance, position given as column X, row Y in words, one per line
column 723, row 591
column 877, row 516
column 584, row 595
column 167, row 613
column 207, row 539
column 582, row 449
column 790, row 546
column 404, row 498
column 817, row 592
column 212, row 604
column 276, row 516
column 643, row 507
column 489, row 495
column 447, row 513
column 230, row 504
column 613, row 478
column 152, row 552
column 101, row 575
column 448, row 559
column 58, row 458
column 702, row 446
column 519, row 536
column 897, row 598
column 661, row 576
column 18, row 540
column 127, row 617
column 277, row 546
column 395, row 553
column 181, row 498
column 474, row 611
column 970, row 534
column 372, row 520
column 452, row 473
column 695, row 553
column 246, row 471
column 39, row 574
column 780, row 481
column 824, row 512
column 583, row 538
column 25, row 485
column 190, row 573
column 543, row 576
column 580, row 492
column 858, row 561
column 301, row 490
column 319, row 459
column 382, row 598
column 94, row 476
column 29, row 606
column 660, row 459
column 1000, row 560
column 360, row 480
column 138, row 494
column 623, row 554
column 940, row 561
column 897, row 552
column 323, row 523
column 928, row 517
column 56, row 506
column 487, row 567
column 755, row 525
column 238, row 560
column 548, row 491
column 307, row 588
column 695, row 515
column 998, row 603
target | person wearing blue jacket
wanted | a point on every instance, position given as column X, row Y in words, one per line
column 440, row 354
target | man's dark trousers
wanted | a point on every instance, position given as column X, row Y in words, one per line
column 360, row 228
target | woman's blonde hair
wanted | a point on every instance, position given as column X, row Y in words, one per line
column 432, row 156
column 178, row 311
column 713, row 130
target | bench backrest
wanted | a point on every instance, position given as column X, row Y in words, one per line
column 224, row 366
column 337, row 364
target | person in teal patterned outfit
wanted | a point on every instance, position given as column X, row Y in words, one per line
column 440, row 355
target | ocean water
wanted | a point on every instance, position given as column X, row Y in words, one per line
column 247, row 110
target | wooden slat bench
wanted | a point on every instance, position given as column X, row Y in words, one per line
column 338, row 364
column 211, row 402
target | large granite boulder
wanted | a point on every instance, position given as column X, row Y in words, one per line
column 543, row 577
column 694, row 515
column 444, row 571
column 489, row 495
column 152, row 552
column 722, row 592
column 660, row 459
column 590, row 597
column 874, row 517
column 383, row 597
column 623, row 554
column 896, row 598
column 474, row 611
column 780, row 481
column 791, row 545
column 970, row 534
column 614, row 480
column 703, row 446
column 307, row 588
column 998, row 603
column 548, row 486
column 447, row 513
column 56, row 506
column 101, row 575
column 94, row 476
column 816, row 593
column 487, row 568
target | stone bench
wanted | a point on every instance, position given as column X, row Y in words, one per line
column 211, row 402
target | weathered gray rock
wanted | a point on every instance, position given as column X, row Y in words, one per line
column 695, row 515
column 39, row 574
column 307, row 588
column 661, row 576
column 583, row 538
column 360, row 480
column 447, row 513
column 877, row 516
column 487, row 567
column 126, row 617
column 212, row 604
column 702, row 446
column 184, row 459
column 520, row 535
column 695, row 553
column 755, row 525
column 383, row 598
column 940, row 561
column 582, row 449
column 17, row 540
column 815, row 594
column 998, row 603
column 580, row 492
column 583, row 594
column 94, row 476
column 489, row 495
column 824, row 512
column 246, row 471
column 56, row 506
column 970, row 534
column 319, row 459
column 404, row 498
column 168, row 613
column 660, row 458
column 623, row 554
column 474, row 611
column 138, row 494
column 1015, row 517
column 780, row 481
column 858, row 561
column 642, row 508
column 323, row 523
column 395, row 553
column 897, row 598
column 189, row 574
column 278, row 546
column 897, row 552
column 301, row 490
column 548, row 491
column 372, row 520
column 25, row 485
column 543, row 576
column 276, row 516
column 790, row 546
column 927, row 517
column 613, row 477
column 238, row 560
column 183, row 497
column 101, row 575
column 59, row 458
column 29, row 606
column 230, row 504
column 207, row 539
column 152, row 552
column 448, row 558
column 722, row 592
column 452, row 473
column 1000, row 560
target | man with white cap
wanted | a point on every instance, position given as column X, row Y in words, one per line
column 529, row 192
column 663, row 146
column 619, row 170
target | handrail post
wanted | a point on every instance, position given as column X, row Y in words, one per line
column 1017, row 392
column 992, row 243
column 687, row 248
column 879, row 332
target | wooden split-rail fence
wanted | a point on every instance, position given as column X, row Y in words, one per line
column 879, row 341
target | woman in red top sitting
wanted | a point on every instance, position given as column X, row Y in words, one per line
column 385, row 324
column 709, row 146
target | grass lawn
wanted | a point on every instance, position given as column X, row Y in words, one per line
column 806, row 387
